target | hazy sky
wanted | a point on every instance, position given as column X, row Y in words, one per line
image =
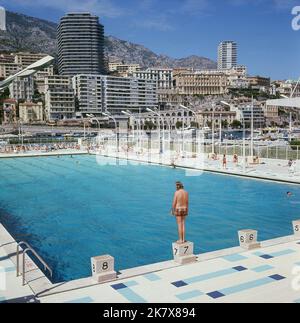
column 267, row 43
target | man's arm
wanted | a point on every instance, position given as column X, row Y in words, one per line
column 187, row 201
column 174, row 203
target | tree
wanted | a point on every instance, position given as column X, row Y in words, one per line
column 149, row 125
column 194, row 124
column 179, row 124
column 236, row 124
column 224, row 124
column 209, row 124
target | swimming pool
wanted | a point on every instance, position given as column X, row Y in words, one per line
column 71, row 209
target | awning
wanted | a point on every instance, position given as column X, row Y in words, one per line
column 30, row 70
column 285, row 103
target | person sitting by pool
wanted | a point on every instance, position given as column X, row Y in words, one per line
column 256, row 160
column 235, row 159
column 290, row 163
column 180, row 208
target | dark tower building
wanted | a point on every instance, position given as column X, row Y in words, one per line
column 80, row 45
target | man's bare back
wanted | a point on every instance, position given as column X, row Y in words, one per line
column 181, row 203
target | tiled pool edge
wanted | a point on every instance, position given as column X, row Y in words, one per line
column 41, row 286
column 49, row 154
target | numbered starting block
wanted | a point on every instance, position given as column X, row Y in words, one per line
column 184, row 253
column 103, row 268
column 248, row 239
column 296, row 226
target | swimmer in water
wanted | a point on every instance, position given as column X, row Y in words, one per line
column 289, row 194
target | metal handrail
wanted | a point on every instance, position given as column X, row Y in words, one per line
column 29, row 248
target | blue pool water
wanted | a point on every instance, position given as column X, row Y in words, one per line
column 71, row 209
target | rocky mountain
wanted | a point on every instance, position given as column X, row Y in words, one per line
column 26, row 33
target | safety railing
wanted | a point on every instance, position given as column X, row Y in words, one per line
column 24, row 252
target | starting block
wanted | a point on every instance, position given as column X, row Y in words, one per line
column 184, row 253
column 103, row 268
column 248, row 239
column 296, row 226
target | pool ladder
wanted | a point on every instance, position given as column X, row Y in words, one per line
column 29, row 248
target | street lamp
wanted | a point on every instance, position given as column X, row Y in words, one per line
column 252, row 128
column 21, row 138
column 198, row 122
column 108, row 114
column 129, row 114
column 291, row 115
column 213, row 129
column 93, row 118
column 228, row 105
column 159, row 131
column 244, row 138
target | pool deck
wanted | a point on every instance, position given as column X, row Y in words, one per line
column 270, row 274
column 268, row 169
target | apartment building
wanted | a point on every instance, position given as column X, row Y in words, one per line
column 80, row 45
column 7, row 69
column 201, row 83
column 99, row 93
column 59, row 98
column 123, row 70
column 227, row 55
column 22, row 89
column 163, row 77
column 244, row 114
column 25, row 59
column 30, row 112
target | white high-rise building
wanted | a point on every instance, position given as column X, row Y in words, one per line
column 2, row 19
column 99, row 93
column 227, row 55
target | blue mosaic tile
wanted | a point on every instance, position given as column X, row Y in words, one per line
column 266, row 257
column 152, row 277
column 277, row 277
column 239, row 268
column 246, row 286
column 131, row 283
column 212, row 275
column 189, row 295
column 118, row 286
column 84, row 300
column 234, row 258
column 131, row 296
column 215, row 295
column 261, row 269
column 283, row 253
column 179, row 283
